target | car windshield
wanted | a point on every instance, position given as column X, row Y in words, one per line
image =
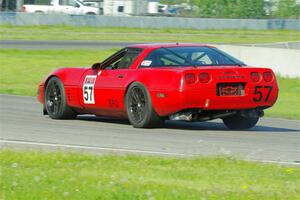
column 189, row 56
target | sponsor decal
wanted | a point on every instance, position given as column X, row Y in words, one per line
column 146, row 63
column 88, row 89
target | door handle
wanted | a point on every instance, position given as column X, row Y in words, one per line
column 120, row 76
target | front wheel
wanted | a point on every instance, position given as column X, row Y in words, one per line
column 55, row 100
column 139, row 108
column 238, row 122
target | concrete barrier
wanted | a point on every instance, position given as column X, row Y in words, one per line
column 284, row 62
column 147, row 22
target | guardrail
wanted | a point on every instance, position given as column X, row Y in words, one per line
column 285, row 62
column 146, row 22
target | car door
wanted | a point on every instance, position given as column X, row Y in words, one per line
column 109, row 83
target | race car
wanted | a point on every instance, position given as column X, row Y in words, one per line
column 151, row 83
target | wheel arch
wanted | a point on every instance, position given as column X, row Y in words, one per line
column 125, row 92
column 48, row 79
column 129, row 84
column 70, row 78
column 147, row 88
column 151, row 118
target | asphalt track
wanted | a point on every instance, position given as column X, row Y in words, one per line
column 24, row 126
column 75, row 44
column 60, row 44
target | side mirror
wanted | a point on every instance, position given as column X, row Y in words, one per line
column 96, row 66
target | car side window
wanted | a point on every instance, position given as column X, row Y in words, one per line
column 68, row 3
column 72, row 3
column 123, row 59
column 126, row 61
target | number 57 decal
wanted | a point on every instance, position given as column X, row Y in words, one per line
column 88, row 89
column 259, row 94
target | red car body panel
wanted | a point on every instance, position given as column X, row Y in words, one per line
column 169, row 91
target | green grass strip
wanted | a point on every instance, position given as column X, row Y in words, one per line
column 145, row 35
column 36, row 175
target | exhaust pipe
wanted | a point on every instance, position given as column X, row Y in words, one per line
column 252, row 113
column 182, row 116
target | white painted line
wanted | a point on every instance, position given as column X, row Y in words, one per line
column 276, row 162
column 83, row 147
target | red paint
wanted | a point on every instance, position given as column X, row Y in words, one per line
column 182, row 87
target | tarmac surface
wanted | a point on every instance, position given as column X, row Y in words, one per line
column 60, row 44
column 24, row 126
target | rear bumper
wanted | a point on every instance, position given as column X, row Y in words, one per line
column 176, row 101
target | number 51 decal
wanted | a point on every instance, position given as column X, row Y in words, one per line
column 88, row 89
column 259, row 95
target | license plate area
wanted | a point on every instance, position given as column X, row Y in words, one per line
column 231, row 89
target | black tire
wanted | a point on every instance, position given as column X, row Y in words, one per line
column 238, row 122
column 55, row 100
column 90, row 13
column 139, row 108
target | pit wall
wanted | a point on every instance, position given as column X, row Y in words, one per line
column 146, row 22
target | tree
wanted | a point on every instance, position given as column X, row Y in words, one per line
column 287, row 9
column 230, row 8
column 250, row 8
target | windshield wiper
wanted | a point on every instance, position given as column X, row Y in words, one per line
column 179, row 56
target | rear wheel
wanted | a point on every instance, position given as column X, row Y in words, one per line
column 139, row 108
column 55, row 100
column 238, row 122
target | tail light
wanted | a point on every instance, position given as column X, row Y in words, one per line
column 204, row 77
column 23, row 9
column 255, row 76
column 268, row 77
column 190, row 78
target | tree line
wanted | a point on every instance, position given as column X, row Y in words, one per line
column 238, row 8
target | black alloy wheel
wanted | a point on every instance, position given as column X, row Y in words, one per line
column 55, row 100
column 139, row 108
column 137, row 104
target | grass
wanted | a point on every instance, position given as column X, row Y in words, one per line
column 288, row 103
column 8, row 32
column 23, row 70
column 40, row 175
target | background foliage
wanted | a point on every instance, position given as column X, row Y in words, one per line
column 239, row 8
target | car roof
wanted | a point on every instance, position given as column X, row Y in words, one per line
column 167, row 45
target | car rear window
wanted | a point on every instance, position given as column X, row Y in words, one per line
column 188, row 56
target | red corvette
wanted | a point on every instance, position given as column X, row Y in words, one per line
column 150, row 83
